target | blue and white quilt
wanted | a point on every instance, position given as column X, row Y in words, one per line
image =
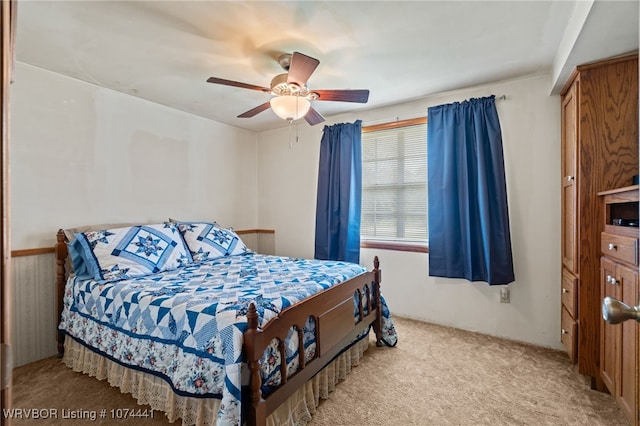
column 186, row 325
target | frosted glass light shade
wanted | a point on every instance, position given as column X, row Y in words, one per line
column 290, row 107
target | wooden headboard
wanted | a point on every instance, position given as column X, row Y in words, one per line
column 61, row 254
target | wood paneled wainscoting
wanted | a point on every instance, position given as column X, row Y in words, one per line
column 35, row 313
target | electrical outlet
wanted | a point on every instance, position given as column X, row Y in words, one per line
column 504, row 295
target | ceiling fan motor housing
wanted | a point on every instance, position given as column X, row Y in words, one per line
column 280, row 86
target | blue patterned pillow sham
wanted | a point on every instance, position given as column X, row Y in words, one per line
column 129, row 252
column 208, row 240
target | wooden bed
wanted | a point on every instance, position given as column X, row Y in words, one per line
column 336, row 328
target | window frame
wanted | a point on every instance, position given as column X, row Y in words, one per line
column 417, row 247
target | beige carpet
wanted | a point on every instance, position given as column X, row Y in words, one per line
column 435, row 376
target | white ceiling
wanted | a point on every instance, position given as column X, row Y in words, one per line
column 164, row 51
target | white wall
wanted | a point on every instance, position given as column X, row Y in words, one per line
column 85, row 139
column 82, row 154
column 530, row 121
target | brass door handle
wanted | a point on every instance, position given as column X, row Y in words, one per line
column 615, row 311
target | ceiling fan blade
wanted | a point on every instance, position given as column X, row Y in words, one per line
column 237, row 84
column 313, row 117
column 255, row 111
column 301, row 68
column 360, row 96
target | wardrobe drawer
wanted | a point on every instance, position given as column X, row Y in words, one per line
column 620, row 247
column 569, row 292
column 569, row 334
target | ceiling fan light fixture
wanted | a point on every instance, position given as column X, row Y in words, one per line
column 290, row 107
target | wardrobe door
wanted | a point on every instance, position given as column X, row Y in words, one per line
column 569, row 178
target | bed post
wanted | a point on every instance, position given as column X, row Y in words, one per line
column 377, row 323
column 256, row 415
column 61, row 257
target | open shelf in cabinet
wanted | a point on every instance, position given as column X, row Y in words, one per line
column 621, row 203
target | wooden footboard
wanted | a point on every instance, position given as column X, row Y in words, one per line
column 335, row 328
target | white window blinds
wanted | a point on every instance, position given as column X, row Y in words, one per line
column 394, row 182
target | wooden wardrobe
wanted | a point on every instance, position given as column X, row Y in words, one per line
column 599, row 153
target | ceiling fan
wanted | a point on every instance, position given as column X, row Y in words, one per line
column 291, row 96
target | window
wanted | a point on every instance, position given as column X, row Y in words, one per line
column 394, row 185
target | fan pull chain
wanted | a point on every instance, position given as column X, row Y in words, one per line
column 291, row 121
column 290, row 146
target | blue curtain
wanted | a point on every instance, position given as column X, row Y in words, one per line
column 339, row 193
column 468, row 216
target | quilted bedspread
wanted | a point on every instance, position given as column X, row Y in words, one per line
column 187, row 325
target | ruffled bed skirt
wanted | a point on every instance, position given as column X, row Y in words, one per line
column 156, row 392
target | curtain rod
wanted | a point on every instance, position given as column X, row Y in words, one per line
column 410, row 116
